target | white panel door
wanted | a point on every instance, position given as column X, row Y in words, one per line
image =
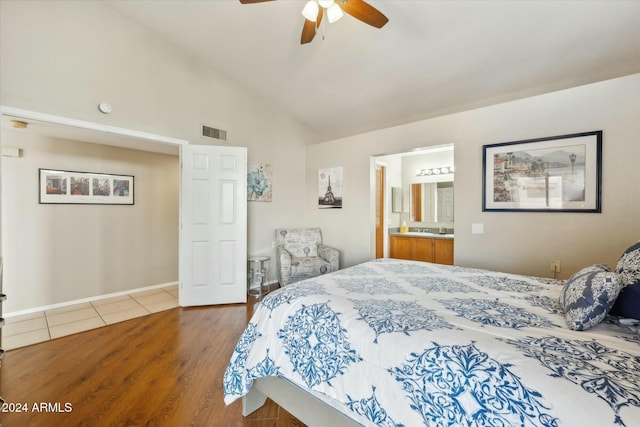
column 213, row 225
column 445, row 204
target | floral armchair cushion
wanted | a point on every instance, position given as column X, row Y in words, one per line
column 299, row 242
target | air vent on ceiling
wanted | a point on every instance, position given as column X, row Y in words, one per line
column 210, row 132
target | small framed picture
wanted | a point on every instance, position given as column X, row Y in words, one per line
column 330, row 188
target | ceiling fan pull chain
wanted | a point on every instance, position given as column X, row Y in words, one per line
column 323, row 24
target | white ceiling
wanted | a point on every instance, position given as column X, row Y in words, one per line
column 432, row 58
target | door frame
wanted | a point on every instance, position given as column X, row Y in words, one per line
column 381, row 210
column 374, row 163
column 84, row 126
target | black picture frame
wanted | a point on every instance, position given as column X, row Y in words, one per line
column 85, row 188
column 552, row 174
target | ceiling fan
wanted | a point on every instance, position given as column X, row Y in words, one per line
column 314, row 11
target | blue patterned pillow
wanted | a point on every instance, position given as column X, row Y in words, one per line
column 588, row 295
column 629, row 265
column 628, row 302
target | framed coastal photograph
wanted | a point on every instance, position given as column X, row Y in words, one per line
column 552, row 174
column 71, row 187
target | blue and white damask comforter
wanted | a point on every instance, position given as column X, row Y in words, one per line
column 411, row 343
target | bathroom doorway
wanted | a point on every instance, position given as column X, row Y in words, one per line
column 394, row 176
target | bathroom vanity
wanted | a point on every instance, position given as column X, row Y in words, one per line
column 422, row 246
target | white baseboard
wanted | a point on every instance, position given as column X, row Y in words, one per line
column 83, row 300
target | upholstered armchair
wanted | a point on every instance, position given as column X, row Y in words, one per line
column 301, row 254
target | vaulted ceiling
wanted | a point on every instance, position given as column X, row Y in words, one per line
column 431, row 58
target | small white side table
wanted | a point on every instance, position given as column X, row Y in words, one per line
column 257, row 274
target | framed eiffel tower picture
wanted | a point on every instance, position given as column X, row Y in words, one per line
column 330, row 188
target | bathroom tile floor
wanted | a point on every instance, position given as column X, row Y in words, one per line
column 20, row 331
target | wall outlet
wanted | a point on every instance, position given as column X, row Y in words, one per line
column 555, row 266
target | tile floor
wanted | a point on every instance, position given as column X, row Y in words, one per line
column 33, row 328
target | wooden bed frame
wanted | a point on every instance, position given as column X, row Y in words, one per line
column 309, row 408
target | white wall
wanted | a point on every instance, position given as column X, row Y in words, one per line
column 513, row 242
column 65, row 57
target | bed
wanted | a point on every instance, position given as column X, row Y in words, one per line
column 393, row 342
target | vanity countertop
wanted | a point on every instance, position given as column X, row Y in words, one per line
column 422, row 234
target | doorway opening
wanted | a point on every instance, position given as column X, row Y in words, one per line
column 414, row 172
column 44, row 134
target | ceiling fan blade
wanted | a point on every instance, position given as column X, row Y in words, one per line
column 363, row 11
column 253, row 1
column 309, row 28
column 308, row 31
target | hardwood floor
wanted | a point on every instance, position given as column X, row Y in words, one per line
column 163, row 369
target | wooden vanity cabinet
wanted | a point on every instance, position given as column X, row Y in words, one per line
column 400, row 247
column 423, row 249
column 443, row 251
column 439, row 251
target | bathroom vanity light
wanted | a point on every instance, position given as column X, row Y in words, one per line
column 435, row 171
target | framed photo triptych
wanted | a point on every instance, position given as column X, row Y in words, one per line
column 70, row 187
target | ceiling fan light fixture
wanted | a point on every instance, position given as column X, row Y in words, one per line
column 310, row 11
column 315, row 10
column 334, row 13
column 326, row 3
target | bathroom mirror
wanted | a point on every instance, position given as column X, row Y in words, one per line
column 396, row 199
column 431, row 202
